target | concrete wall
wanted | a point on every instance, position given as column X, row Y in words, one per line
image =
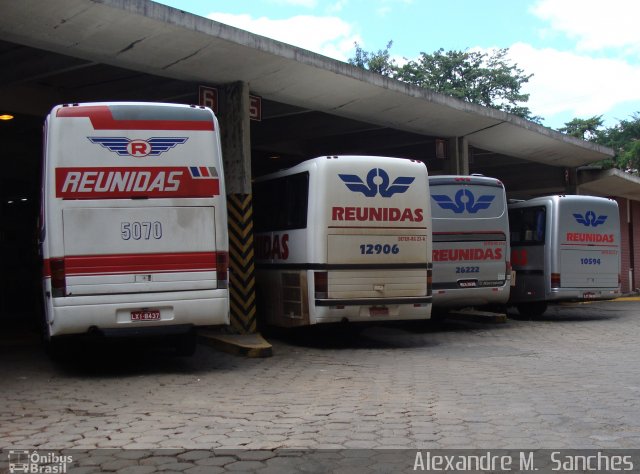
column 630, row 243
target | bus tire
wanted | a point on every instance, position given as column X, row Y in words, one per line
column 534, row 309
column 56, row 348
column 186, row 344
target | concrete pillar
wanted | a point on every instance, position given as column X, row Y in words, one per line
column 235, row 128
column 236, row 153
column 459, row 155
column 571, row 181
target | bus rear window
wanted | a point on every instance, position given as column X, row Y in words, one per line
column 527, row 225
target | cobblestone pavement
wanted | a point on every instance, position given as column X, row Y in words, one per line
column 567, row 380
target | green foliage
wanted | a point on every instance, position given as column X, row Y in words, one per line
column 623, row 138
column 629, row 158
column 487, row 79
column 379, row 61
column 587, row 129
column 491, row 80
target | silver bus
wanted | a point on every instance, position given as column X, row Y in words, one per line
column 564, row 248
column 470, row 241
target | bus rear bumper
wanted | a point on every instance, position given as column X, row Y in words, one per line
column 369, row 310
column 139, row 313
column 583, row 294
column 463, row 297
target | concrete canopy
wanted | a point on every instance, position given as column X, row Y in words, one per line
column 145, row 36
column 612, row 182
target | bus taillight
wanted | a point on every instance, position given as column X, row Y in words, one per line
column 58, row 277
column 321, row 284
column 222, row 269
column 555, row 280
column 429, row 281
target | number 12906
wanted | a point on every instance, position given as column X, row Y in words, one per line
column 377, row 249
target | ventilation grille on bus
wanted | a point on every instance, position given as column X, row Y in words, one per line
column 291, row 295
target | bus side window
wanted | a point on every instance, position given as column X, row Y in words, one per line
column 297, row 190
column 527, row 225
column 281, row 204
column 514, row 226
column 540, row 225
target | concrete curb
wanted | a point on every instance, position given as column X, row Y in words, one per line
column 477, row 316
column 247, row 345
column 627, row 298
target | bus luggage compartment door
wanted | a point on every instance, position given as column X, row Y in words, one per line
column 589, row 269
column 135, row 250
column 396, row 266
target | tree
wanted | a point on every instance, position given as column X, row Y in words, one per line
column 630, row 157
column 487, row 79
column 380, row 61
column 623, row 138
column 587, row 129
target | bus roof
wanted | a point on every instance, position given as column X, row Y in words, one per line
column 321, row 160
column 557, row 198
column 464, row 179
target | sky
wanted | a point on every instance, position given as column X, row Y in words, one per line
column 584, row 54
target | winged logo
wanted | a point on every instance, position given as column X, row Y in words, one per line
column 589, row 219
column 463, row 200
column 124, row 146
column 377, row 181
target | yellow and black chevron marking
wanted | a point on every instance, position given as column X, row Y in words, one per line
column 242, row 279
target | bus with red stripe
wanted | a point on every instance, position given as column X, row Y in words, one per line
column 564, row 248
column 343, row 238
column 471, row 265
column 133, row 227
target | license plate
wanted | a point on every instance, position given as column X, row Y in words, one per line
column 378, row 311
column 588, row 295
column 145, row 315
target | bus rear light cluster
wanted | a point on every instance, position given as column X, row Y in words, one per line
column 58, row 277
column 321, row 284
column 555, row 280
column 222, row 269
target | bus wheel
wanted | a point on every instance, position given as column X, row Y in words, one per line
column 533, row 309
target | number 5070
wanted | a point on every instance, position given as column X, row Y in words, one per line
column 141, row 230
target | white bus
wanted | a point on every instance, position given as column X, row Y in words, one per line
column 343, row 238
column 470, row 241
column 564, row 248
column 133, row 227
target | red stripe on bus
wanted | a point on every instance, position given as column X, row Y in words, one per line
column 114, row 264
column 591, row 245
column 374, row 227
column 480, row 232
column 46, row 268
column 102, row 119
column 131, row 182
